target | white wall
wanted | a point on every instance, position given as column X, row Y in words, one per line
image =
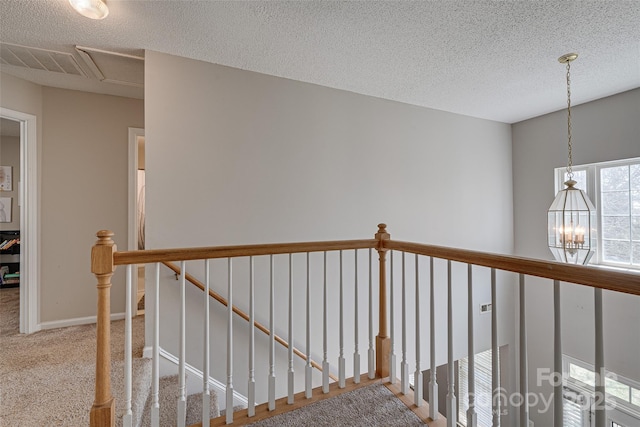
column 607, row 129
column 236, row 157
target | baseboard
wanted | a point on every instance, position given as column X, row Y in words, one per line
column 217, row 386
column 54, row 324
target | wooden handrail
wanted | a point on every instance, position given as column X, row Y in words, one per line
column 595, row 277
column 190, row 254
column 243, row 315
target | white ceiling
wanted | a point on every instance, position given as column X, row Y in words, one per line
column 490, row 59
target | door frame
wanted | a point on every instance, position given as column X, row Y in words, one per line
column 28, row 196
column 132, row 241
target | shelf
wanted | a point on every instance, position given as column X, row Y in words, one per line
column 10, row 258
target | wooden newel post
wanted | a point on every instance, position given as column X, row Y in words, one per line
column 103, row 409
column 383, row 342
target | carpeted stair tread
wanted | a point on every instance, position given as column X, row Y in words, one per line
column 168, row 401
column 140, row 388
column 373, row 405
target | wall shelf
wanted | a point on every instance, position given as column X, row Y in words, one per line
column 9, row 258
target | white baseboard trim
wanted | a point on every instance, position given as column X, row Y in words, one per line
column 217, row 386
column 54, row 324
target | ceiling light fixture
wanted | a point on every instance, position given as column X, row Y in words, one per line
column 571, row 218
column 94, row 9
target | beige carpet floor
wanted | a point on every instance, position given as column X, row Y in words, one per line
column 47, row 378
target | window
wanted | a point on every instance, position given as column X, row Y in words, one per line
column 621, row 396
column 483, row 395
column 574, row 413
column 614, row 188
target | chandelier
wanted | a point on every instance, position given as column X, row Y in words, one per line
column 571, row 219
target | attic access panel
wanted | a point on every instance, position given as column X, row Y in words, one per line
column 114, row 67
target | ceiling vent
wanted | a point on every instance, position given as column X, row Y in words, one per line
column 39, row 59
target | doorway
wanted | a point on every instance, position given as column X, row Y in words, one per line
column 136, row 238
column 25, row 180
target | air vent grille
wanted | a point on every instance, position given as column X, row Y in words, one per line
column 39, row 59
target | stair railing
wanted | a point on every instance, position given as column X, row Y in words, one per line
column 259, row 326
column 105, row 258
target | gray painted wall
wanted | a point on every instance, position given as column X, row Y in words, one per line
column 603, row 130
column 236, row 157
column 84, row 189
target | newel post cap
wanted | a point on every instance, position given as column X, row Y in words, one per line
column 102, row 253
column 382, row 235
column 382, row 232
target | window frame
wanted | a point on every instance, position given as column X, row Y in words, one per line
column 626, row 407
column 593, row 189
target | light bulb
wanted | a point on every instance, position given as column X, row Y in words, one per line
column 94, row 9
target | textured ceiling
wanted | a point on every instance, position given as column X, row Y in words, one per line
column 489, row 59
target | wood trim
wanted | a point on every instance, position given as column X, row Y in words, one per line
column 300, row 401
column 595, row 277
column 243, row 315
column 189, row 254
column 102, row 411
column 421, row 411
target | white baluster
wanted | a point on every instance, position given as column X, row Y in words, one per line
column 128, row 414
column 229, row 396
column 452, row 407
column 558, row 411
column 433, row 384
column 341, row 373
column 417, row 376
column 356, row 352
column 404, row 366
column 601, row 417
column 371, row 352
column 472, row 416
column 182, row 397
column 251, row 389
column 325, row 362
column 272, row 343
column 392, row 334
column 206, row 391
column 524, row 364
column 290, row 373
column 495, row 354
column 308, row 369
column 155, row 367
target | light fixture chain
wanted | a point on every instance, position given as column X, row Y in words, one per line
column 570, row 158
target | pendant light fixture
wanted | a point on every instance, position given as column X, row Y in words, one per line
column 94, row 9
column 571, row 224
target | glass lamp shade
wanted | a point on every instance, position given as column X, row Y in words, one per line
column 94, row 9
column 571, row 226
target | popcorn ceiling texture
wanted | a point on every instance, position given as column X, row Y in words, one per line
column 488, row 59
